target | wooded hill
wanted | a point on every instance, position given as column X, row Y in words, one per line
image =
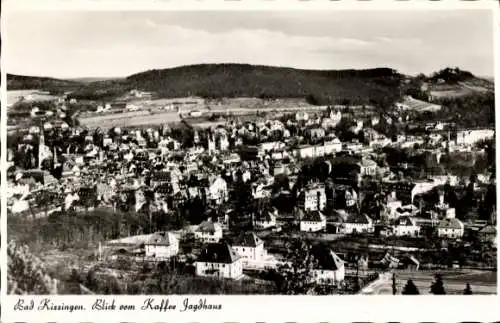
column 21, row 82
column 243, row 80
column 379, row 86
column 373, row 86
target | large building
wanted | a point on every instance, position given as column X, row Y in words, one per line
column 219, row 260
column 249, row 246
column 313, row 198
column 329, row 269
column 161, row 245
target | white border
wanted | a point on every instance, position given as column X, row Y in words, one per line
column 255, row 308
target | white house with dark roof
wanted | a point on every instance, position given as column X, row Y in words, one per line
column 313, row 221
column 161, row 245
column 329, row 269
column 219, row 260
column 451, row 228
column 208, row 231
column 406, row 226
column 357, row 223
column 250, row 247
column 265, row 219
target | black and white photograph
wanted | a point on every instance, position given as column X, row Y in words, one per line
column 250, row 152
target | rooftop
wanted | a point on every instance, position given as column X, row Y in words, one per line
column 218, row 252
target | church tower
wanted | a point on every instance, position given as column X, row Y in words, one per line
column 41, row 149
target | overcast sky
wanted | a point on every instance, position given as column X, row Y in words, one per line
column 112, row 44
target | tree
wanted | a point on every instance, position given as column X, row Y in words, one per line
column 294, row 277
column 26, row 273
column 410, row 288
column 437, row 287
column 467, row 290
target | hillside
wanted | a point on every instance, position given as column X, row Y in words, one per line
column 20, row 82
column 241, row 80
column 380, row 86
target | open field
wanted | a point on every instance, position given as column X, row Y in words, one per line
column 126, row 120
column 29, row 95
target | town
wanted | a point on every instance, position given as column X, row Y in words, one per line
column 148, row 195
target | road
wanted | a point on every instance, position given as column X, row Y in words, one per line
column 454, row 283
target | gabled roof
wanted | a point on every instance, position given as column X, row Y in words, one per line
column 405, row 221
column 488, row 229
column 161, row 238
column 208, row 226
column 326, row 258
column 313, row 216
column 451, row 224
column 358, row 218
column 248, row 239
column 265, row 214
column 219, row 253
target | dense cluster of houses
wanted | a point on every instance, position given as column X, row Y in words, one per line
column 157, row 170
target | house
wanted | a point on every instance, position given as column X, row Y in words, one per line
column 336, row 117
column 249, row 246
column 488, row 233
column 159, row 178
column 161, row 245
column 313, row 198
column 313, row 221
column 208, row 231
column 271, row 146
column 316, row 133
column 329, row 269
column 357, row 223
column 393, row 206
column 306, row 151
column 219, row 260
column 301, row 116
column 367, row 167
column 265, row 219
column 332, row 146
column 218, row 190
column 451, row 228
column 406, row 226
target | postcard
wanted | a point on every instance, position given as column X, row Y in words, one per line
column 238, row 161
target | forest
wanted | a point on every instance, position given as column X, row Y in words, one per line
column 372, row 86
column 52, row 85
column 242, row 80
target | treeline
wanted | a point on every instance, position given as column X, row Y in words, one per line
column 101, row 90
column 163, row 279
column 451, row 75
column 241, row 80
column 52, row 85
column 85, row 229
column 475, row 110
